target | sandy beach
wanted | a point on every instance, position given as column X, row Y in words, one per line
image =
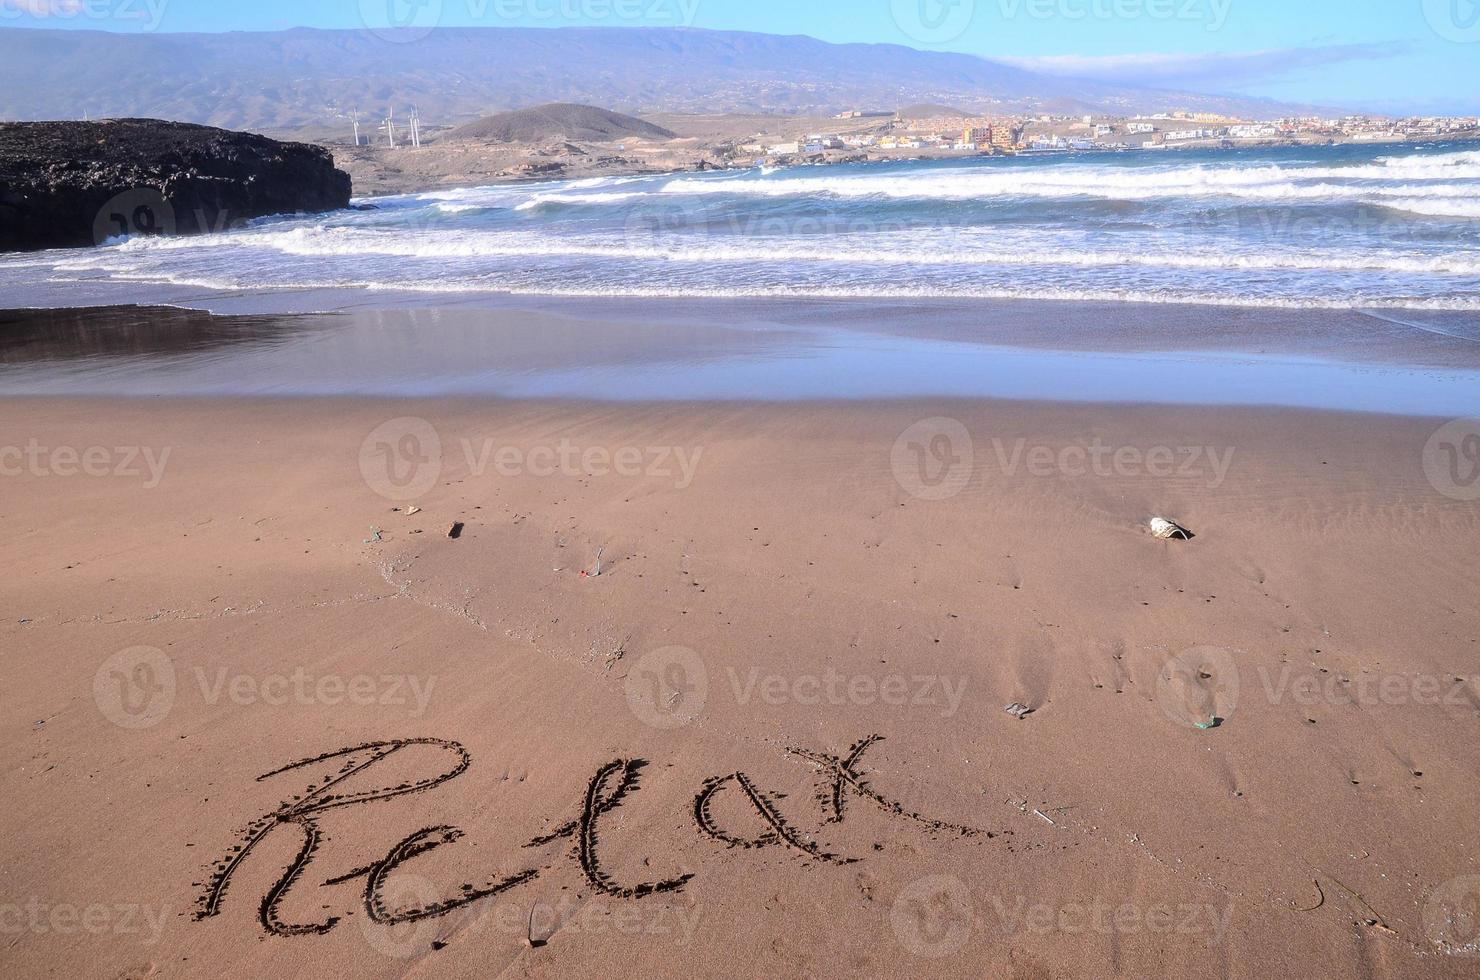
column 701, row 683
column 702, row 490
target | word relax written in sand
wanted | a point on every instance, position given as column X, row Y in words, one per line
column 840, row 783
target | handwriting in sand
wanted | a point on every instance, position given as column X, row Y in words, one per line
column 841, row 783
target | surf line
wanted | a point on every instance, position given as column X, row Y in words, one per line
column 838, row 780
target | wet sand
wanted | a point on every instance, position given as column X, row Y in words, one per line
column 709, row 682
column 683, row 350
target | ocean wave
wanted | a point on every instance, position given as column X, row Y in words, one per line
column 898, row 291
column 1395, row 232
column 1389, row 176
column 445, row 208
column 1018, row 184
column 967, row 247
column 556, row 197
column 1441, row 207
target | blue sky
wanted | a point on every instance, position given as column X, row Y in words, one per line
column 1388, row 55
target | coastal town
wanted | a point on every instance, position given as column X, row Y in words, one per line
column 936, row 130
column 566, row 141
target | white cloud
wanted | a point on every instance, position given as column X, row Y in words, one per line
column 1213, row 68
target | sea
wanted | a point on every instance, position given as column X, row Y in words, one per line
column 1370, row 227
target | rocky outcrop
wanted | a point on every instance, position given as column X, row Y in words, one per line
column 68, row 184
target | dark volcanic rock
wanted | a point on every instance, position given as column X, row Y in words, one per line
column 79, row 183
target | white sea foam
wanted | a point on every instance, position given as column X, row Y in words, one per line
column 1400, row 176
column 1469, row 304
column 943, row 247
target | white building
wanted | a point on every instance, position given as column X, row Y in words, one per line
column 1257, row 131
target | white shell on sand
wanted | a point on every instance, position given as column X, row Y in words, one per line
column 1163, row 528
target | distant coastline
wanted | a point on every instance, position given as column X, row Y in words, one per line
column 732, row 142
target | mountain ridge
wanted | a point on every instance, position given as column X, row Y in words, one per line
column 301, row 78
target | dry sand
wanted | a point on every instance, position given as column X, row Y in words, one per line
column 689, row 731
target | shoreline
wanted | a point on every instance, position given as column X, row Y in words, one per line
column 755, row 352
